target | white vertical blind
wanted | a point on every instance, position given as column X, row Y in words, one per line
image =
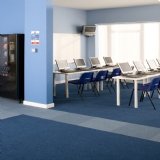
column 102, row 41
column 128, row 42
column 151, row 40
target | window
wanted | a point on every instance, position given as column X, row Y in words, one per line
column 128, row 42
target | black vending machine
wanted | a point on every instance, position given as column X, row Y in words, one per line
column 12, row 66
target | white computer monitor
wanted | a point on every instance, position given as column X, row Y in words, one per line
column 62, row 64
column 94, row 62
column 80, row 63
column 107, row 60
column 152, row 64
column 158, row 61
column 139, row 66
column 125, row 68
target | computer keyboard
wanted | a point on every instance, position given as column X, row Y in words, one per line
column 146, row 72
column 97, row 67
column 111, row 65
column 149, row 73
column 82, row 69
column 134, row 75
column 67, row 70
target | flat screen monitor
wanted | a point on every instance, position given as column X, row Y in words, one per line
column 62, row 64
column 125, row 68
column 80, row 63
column 158, row 60
column 139, row 66
column 107, row 60
column 152, row 64
column 94, row 61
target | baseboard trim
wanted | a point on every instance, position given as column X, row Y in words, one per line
column 39, row 105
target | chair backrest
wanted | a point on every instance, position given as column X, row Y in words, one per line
column 86, row 78
column 101, row 75
column 154, row 84
column 116, row 72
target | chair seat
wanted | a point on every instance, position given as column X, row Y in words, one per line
column 85, row 78
column 144, row 87
column 74, row 81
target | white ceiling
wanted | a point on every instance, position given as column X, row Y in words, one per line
column 99, row 4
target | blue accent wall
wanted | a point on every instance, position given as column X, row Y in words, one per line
column 126, row 14
column 121, row 15
column 49, row 53
column 12, row 16
column 38, row 66
column 68, row 20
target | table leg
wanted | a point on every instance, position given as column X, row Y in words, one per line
column 118, row 92
column 135, row 94
column 97, row 86
column 66, row 86
column 101, row 85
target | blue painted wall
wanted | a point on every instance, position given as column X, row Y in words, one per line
column 38, row 66
column 49, row 53
column 68, row 20
column 12, row 16
column 22, row 16
column 121, row 15
column 127, row 14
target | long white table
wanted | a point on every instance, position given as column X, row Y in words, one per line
column 66, row 75
column 144, row 78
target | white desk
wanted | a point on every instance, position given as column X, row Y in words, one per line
column 66, row 75
column 135, row 80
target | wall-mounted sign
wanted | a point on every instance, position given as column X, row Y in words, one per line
column 35, row 37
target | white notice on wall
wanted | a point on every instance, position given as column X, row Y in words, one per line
column 35, row 37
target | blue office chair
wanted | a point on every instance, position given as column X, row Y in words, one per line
column 85, row 78
column 115, row 72
column 158, row 90
column 146, row 88
column 101, row 76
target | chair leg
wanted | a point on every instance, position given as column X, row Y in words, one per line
column 79, row 89
column 126, row 84
column 94, row 88
column 158, row 91
column 121, row 84
column 82, row 88
column 108, row 88
column 152, row 94
column 108, row 81
column 97, row 90
column 150, row 100
column 113, row 86
column 142, row 97
column 131, row 97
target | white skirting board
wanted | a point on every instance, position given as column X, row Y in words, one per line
column 39, row 105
